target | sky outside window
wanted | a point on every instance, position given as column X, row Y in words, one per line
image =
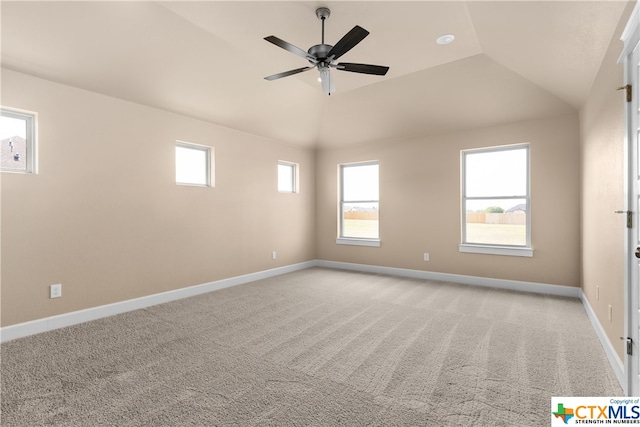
column 496, row 174
column 360, row 183
column 10, row 126
column 286, row 175
column 192, row 165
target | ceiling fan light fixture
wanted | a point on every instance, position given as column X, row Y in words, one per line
column 445, row 39
column 328, row 85
column 323, row 56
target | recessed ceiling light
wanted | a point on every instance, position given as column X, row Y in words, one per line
column 445, row 39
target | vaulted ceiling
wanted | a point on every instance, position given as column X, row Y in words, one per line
column 510, row 61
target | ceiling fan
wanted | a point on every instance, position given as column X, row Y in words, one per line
column 323, row 56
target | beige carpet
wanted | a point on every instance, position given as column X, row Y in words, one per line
column 313, row 348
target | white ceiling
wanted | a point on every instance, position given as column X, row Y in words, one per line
column 511, row 60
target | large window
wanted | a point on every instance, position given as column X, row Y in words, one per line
column 18, row 139
column 287, row 177
column 193, row 164
column 359, row 204
column 495, row 201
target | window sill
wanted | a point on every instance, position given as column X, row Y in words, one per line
column 497, row 250
column 21, row 172
column 186, row 184
column 358, row 242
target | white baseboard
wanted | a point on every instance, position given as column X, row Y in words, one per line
column 76, row 317
column 539, row 288
column 33, row 327
column 610, row 351
column 21, row 330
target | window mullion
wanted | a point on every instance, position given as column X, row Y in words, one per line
column 511, row 196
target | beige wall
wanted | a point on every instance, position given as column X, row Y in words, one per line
column 602, row 175
column 105, row 218
column 420, row 203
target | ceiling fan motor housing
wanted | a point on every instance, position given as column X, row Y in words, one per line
column 320, row 51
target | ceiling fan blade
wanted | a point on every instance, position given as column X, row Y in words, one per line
column 377, row 70
column 346, row 43
column 289, row 47
column 287, row 73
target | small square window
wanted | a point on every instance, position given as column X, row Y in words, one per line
column 18, row 141
column 193, row 164
column 287, row 177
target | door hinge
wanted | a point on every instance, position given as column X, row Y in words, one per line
column 628, row 89
column 629, row 217
column 629, row 345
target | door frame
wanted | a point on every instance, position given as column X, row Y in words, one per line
column 630, row 37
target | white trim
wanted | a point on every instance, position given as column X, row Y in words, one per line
column 25, row 329
column 496, row 250
column 612, row 355
column 21, row 330
column 631, row 37
column 357, row 242
column 539, row 288
column 37, row 326
column 33, row 327
column 630, row 33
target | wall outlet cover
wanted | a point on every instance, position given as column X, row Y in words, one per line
column 55, row 291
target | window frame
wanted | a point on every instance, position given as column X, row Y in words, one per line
column 356, row 241
column 31, row 140
column 294, row 177
column 525, row 250
column 208, row 158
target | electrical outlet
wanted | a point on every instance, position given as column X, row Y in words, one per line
column 598, row 293
column 55, row 291
column 274, row 255
column 610, row 313
column 426, row 256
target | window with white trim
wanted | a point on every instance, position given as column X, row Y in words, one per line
column 193, row 164
column 359, row 204
column 496, row 203
column 287, row 177
column 18, row 141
